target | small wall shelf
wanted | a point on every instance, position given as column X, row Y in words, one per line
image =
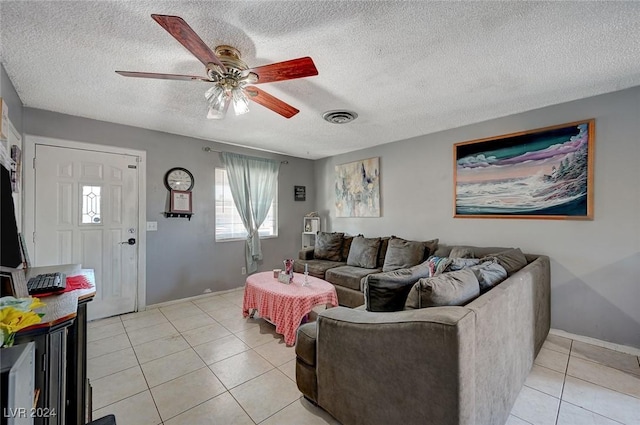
column 178, row 215
column 310, row 226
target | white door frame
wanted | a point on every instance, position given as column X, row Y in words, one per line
column 28, row 224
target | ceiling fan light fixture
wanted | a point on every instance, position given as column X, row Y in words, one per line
column 229, row 74
column 240, row 102
column 218, row 99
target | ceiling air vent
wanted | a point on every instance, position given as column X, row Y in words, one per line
column 339, row 117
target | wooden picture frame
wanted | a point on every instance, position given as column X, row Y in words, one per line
column 181, row 201
column 546, row 173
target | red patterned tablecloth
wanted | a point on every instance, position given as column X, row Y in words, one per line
column 286, row 305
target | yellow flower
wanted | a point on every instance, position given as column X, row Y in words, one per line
column 36, row 303
column 13, row 320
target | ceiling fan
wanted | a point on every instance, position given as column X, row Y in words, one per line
column 232, row 78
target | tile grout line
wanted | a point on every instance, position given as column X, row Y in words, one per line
column 144, row 376
column 515, row 416
column 595, row 413
column 564, row 380
column 280, row 410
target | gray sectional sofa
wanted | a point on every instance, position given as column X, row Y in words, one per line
column 345, row 260
column 461, row 365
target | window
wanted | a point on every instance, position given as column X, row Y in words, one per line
column 91, row 204
column 228, row 222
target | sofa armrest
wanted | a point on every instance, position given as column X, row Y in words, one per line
column 306, row 254
column 306, row 343
column 420, row 361
column 306, row 376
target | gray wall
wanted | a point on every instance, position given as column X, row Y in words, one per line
column 183, row 258
column 595, row 264
column 8, row 94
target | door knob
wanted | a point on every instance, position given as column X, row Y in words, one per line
column 130, row 241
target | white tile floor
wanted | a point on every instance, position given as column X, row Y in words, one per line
column 201, row 362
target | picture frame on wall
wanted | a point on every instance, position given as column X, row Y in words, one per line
column 181, row 201
column 546, row 173
column 357, row 188
column 299, row 193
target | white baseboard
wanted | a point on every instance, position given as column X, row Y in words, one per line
column 605, row 344
column 196, row 297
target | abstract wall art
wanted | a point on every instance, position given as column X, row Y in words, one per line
column 358, row 188
column 545, row 173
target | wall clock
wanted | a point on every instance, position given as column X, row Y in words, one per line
column 179, row 178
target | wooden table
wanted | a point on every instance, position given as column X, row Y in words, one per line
column 285, row 305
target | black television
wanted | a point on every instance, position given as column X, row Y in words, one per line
column 10, row 252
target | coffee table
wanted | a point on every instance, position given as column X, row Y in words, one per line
column 285, row 305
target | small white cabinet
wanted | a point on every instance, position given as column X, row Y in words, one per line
column 310, row 226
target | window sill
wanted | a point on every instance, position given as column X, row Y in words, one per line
column 244, row 239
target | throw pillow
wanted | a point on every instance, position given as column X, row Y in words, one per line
column 454, row 288
column 384, row 244
column 512, row 260
column 489, row 274
column 461, row 252
column 430, row 247
column 328, row 246
column 346, row 245
column 388, row 291
column 364, row 252
column 402, row 254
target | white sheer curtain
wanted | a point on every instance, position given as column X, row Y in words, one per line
column 253, row 183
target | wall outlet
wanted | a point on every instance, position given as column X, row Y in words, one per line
column 152, row 226
column 243, row 270
column 207, row 291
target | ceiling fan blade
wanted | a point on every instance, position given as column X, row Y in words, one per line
column 181, row 31
column 163, row 76
column 287, row 70
column 265, row 99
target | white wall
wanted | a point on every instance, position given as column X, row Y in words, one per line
column 595, row 264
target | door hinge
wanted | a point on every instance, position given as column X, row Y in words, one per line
column 34, row 162
column 138, row 159
column 34, row 237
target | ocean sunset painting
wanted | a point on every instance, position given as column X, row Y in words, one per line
column 544, row 173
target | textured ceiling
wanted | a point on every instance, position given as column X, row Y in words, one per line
column 407, row 68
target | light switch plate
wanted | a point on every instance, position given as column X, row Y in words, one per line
column 152, row 226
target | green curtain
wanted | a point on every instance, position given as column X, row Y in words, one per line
column 253, row 182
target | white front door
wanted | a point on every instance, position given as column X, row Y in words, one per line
column 86, row 211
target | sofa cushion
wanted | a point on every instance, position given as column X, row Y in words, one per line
column 317, row 268
column 512, row 260
column 328, row 246
column 346, row 246
column 489, row 274
column 448, row 289
column 402, row 253
column 364, row 252
column 382, row 252
column 461, row 252
column 388, row 291
column 348, row 276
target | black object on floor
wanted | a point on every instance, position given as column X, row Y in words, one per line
column 105, row 420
